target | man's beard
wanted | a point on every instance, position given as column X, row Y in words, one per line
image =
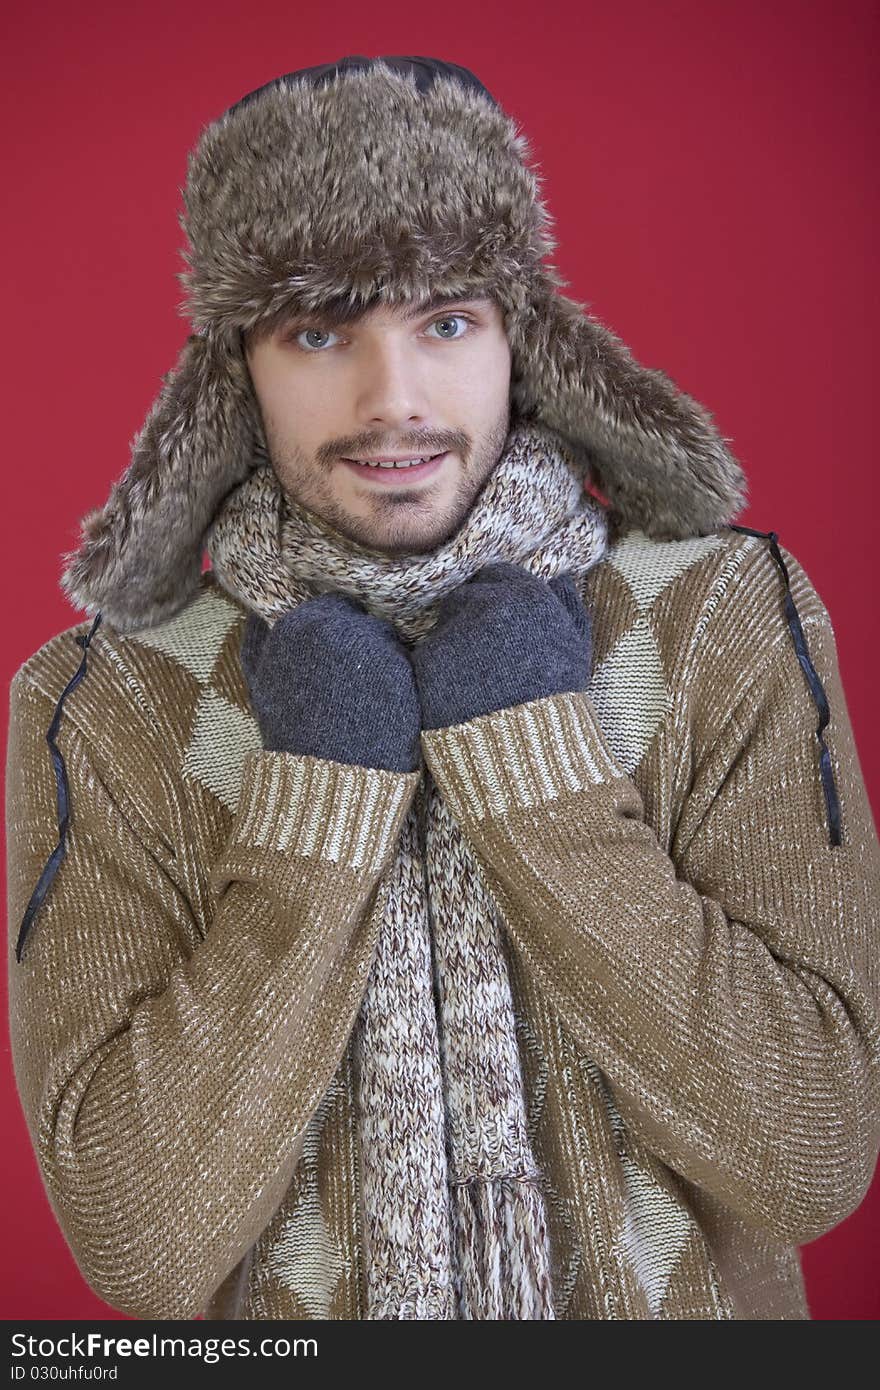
column 407, row 538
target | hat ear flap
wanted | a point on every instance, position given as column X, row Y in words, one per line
column 199, row 440
column 655, row 451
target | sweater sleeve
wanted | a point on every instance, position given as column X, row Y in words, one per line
column 728, row 989
column 167, row 1076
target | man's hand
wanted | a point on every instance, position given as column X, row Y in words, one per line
column 502, row 638
column 330, row 680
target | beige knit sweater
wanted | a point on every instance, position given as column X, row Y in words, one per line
column 694, row 965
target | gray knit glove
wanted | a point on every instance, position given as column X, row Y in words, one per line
column 502, row 638
column 330, row 680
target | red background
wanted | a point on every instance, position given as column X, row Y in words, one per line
column 712, row 171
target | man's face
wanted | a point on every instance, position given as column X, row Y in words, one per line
column 387, row 384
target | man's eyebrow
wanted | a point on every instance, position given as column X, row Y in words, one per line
column 337, row 317
column 415, row 311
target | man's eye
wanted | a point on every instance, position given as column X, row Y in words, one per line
column 449, row 318
column 312, row 347
column 321, row 332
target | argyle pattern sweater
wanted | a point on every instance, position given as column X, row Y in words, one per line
column 693, row 960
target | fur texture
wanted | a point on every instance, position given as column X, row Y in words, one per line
column 366, row 188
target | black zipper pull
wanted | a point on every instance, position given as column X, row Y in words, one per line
column 832, row 800
column 54, row 860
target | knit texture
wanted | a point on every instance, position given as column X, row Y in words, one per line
column 454, row 1215
column 694, row 969
column 335, row 683
column 513, row 635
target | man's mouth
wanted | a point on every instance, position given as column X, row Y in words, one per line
column 402, row 471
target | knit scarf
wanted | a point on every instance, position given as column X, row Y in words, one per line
column 454, row 1220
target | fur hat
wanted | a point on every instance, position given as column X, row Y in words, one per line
column 362, row 182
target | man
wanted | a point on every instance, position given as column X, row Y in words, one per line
column 460, row 373
column 458, row 911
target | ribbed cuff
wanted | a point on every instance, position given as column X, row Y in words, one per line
column 520, row 757
column 301, row 805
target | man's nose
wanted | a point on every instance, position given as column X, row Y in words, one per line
column 392, row 388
